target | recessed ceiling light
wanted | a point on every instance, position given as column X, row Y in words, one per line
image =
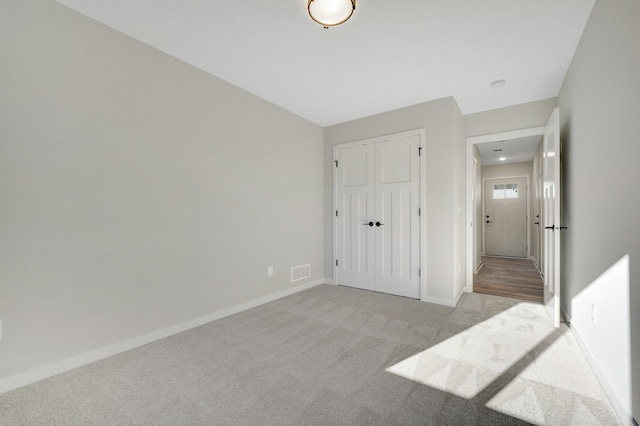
column 498, row 84
column 502, row 158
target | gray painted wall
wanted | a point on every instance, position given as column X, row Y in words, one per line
column 137, row 191
column 440, row 119
column 600, row 110
column 524, row 116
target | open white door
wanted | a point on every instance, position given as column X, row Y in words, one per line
column 551, row 216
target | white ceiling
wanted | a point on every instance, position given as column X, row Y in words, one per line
column 517, row 150
column 391, row 54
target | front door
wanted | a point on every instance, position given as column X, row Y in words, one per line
column 506, row 217
column 377, row 217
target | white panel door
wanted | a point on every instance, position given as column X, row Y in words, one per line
column 506, row 217
column 551, row 216
column 397, row 220
column 377, row 216
column 355, row 215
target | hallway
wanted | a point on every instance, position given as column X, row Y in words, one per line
column 509, row 277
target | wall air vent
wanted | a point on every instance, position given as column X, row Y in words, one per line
column 300, row 272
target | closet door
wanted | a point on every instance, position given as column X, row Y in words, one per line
column 354, row 217
column 397, row 200
column 377, row 217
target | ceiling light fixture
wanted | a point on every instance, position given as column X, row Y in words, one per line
column 498, row 84
column 330, row 13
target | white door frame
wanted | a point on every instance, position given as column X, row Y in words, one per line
column 484, row 212
column 471, row 141
column 423, row 198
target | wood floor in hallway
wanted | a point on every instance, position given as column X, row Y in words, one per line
column 509, row 277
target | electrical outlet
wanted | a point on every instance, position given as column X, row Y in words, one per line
column 593, row 312
column 270, row 271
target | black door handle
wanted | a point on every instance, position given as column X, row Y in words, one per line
column 552, row 227
column 379, row 224
column 536, row 223
column 489, row 221
column 370, row 224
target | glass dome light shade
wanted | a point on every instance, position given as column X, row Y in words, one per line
column 331, row 12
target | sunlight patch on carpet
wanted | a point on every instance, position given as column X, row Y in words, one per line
column 468, row 362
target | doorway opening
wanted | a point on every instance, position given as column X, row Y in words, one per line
column 548, row 216
column 503, row 212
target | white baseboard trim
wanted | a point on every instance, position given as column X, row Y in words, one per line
column 440, row 301
column 49, row 370
column 625, row 417
column 330, row 281
column 537, row 265
column 565, row 315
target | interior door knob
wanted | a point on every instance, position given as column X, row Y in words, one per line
column 370, row 224
column 489, row 221
column 379, row 224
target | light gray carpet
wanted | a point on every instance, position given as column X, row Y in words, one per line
column 336, row 356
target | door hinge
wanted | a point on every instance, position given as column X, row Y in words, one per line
column 419, row 151
column 336, row 262
column 336, row 161
column 419, row 272
column 419, row 211
column 336, row 213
